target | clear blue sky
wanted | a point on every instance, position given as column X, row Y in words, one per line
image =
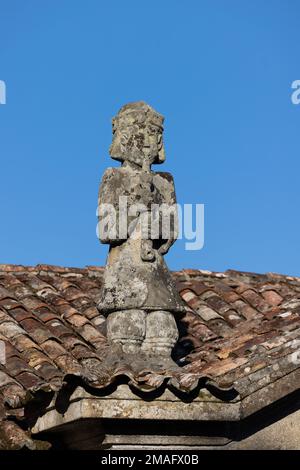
column 221, row 73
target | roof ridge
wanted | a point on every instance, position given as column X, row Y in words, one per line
column 186, row 271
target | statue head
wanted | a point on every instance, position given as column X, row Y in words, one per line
column 137, row 135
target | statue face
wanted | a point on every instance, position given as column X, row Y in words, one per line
column 152, row 142
column 138, row 143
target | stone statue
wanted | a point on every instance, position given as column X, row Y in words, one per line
column 138, row 293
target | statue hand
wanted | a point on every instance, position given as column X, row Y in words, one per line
column 164, row 248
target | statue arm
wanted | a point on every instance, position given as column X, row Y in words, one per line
column 108, row 210
column 168, row 214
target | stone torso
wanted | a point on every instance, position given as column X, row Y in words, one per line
column 131, row 282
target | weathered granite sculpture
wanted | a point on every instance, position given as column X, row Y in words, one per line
column 138, row 219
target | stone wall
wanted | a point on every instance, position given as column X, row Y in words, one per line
column 123, row 420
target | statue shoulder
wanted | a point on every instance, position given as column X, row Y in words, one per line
column 165, row 183
column 111, row 176
column 110, row 172
column 165, row 176
column 112, row 185
column 165, row 180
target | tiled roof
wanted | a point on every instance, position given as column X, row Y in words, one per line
column 244, row 328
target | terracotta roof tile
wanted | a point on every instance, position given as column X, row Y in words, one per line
column 29, row 380
column 272, row 297
column 23, row 342
column 36, row 330
column 53, row 349
column 5, row 378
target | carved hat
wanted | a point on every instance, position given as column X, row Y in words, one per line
column 137, row 112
